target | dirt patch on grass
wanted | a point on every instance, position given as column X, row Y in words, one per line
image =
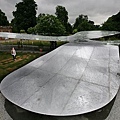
column 7, row 64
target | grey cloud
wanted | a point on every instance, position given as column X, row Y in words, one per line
column 97, row 11
column 8, row 6
column 12, row 1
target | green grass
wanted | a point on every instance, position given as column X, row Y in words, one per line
column 7, row 65
column 30, row 42
column 110, row 38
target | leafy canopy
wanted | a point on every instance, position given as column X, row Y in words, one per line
column 113, row 23
column 82, row 24
column 3, row 19
column 49, row 25
column 25, row 15
column 62, row 15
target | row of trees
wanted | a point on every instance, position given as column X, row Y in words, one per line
column 113, row 23
column 45, row 24
column 25, row 20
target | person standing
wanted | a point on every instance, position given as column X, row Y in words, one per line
column 13, row 53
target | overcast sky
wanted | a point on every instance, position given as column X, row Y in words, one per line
column 97, row 10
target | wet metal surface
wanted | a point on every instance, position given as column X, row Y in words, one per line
column 80, row 36
column 73, row 79
column 17, row 114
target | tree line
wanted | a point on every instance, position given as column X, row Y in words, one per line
column 25, row 20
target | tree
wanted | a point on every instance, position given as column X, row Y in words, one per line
column 31, row 30
column 82, row 23
column 49, row 25
column 69, row 28
column 113, row 23
column 40, row 16
column 14, row 26
column 25, row 15
column 79, row 20
column 62, row 15
column 3, row 19
column 75, row 31
column 22, row 31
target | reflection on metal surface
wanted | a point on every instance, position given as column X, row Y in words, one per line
column 81, row 36
column 73, row 79
column 17, row 113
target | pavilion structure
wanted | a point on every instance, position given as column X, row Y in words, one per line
column 75, row 78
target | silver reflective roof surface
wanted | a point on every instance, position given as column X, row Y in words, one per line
column 84, row 35
column 32, row 37
column 73, row 79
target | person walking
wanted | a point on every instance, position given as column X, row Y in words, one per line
column 13, row 53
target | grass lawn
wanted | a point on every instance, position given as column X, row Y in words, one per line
column 7, row 65
column 30, row 42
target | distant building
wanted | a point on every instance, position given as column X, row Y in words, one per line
column 5, row 29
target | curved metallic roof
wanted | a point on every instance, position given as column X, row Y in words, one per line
column 73, row 79
column 84, row 35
